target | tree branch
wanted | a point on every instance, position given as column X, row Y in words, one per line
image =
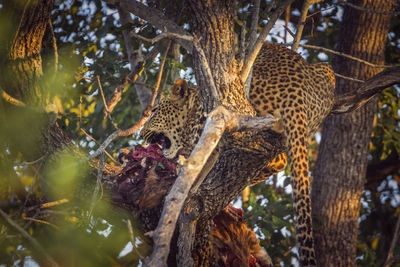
column 320, row 48
column 207, row 72
column 300, row 25
column 155, row 17
column 35, row 244
column 254, row 23
column 162, row 36
column 393, row 243
column 219, row 120
column 253, row 51
column 353, row 100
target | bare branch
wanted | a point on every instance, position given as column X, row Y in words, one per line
column 153, row 99
column 35, row 244
column 253, row 51
column 219, row 120
column 348, row 78
column 94, row 140
column 162, row 36
column 106, row 110
column 98, row 186
column 254, row 23
column 146, row 115
column 354, row 100
column 300, row 25
column 320, row 48
column 155, row 17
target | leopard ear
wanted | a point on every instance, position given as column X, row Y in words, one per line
column 180, row 89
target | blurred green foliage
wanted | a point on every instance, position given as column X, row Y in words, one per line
column 90, row 44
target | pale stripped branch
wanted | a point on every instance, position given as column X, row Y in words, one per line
column 219, row 120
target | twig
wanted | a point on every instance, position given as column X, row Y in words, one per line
column 106, row 110
column 393, row 243
column 135, row 128
column 391, row 261
column 348, row 78
column 35, row 244
column 163, row 36
column 344, row 55
column 159, row 76
column 219, row 120
column 300, row 25
column 40, row 221
column 132, row 238
column 253, row 51
column 105, row 151
column 97, row 187
column 156, row 18
column 50, row 204
column 354, row 100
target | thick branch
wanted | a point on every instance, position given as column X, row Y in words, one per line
column 155, row 17
column 253, row 51
column 218, row 120
column 364, row 93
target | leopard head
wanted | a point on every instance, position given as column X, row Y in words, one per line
column 176, row 121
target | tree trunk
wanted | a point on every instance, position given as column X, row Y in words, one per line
column 342, row 160
column 213, row 24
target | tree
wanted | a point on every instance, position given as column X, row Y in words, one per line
column 345, row 138
column 218, row 74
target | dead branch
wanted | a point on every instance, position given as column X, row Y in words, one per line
column 354, row 100
column 155, row 17
column 219, row 120
column 253, row 51
column 300, row 25
column 35, row 244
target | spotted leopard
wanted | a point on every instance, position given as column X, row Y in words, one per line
column 284, row 84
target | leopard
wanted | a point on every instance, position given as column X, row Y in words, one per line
column 283, row 84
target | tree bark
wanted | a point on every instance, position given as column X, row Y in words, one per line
column 342, row 160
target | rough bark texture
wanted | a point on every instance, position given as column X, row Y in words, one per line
column 342, row 160
column 212, row 22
